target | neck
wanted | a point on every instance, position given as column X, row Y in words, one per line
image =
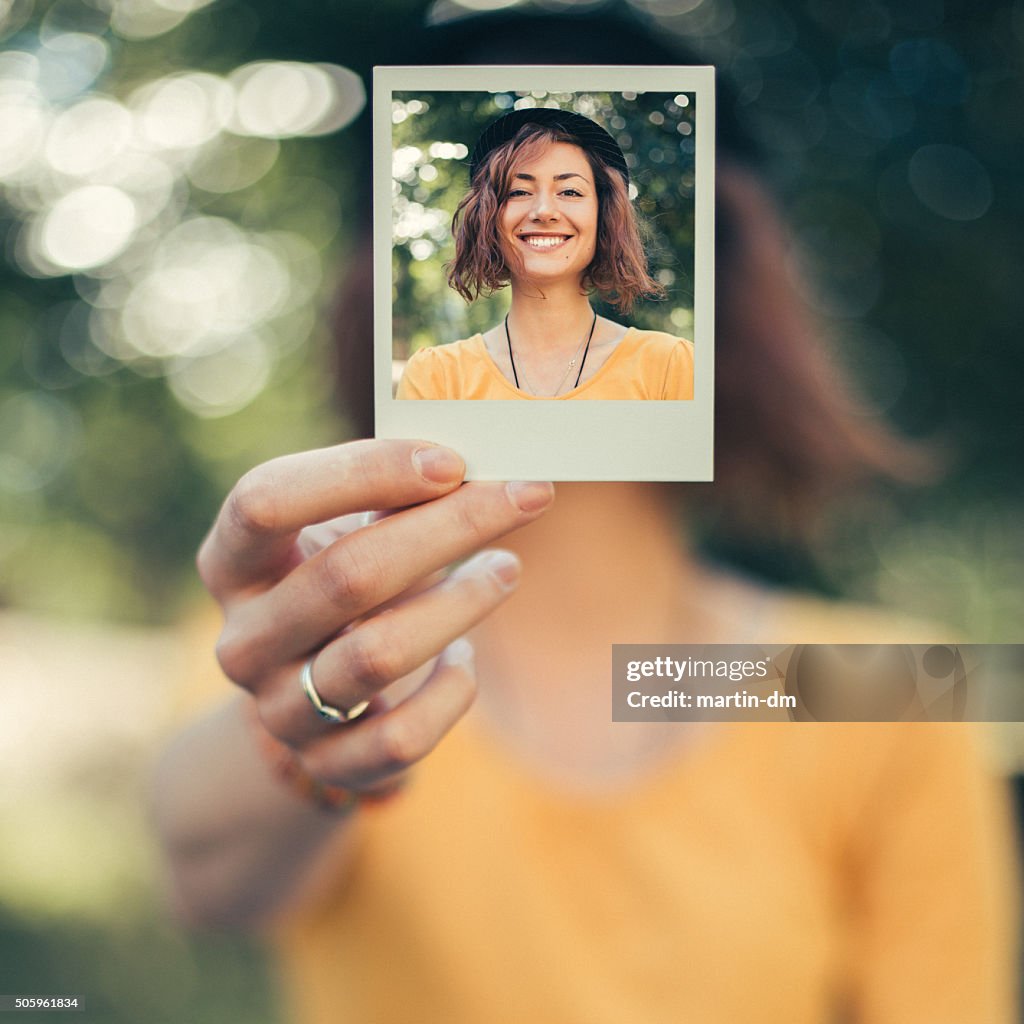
column 606, row 565
column 549, row 322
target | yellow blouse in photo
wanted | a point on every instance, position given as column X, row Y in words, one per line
column 644, row 365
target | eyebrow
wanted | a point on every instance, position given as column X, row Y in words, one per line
column 557, row 177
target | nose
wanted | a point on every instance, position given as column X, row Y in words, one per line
column 543, row 207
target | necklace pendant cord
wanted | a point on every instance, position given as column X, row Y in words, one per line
column 572, row 362
column 593, row 324
column 508, row 339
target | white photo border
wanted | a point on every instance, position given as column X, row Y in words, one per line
column 581, row 440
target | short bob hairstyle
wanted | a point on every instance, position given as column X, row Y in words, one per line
column 618, row 272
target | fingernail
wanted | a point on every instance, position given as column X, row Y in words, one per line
column 503, row 565
column 459, row 652
column 438, row 465
column 530, row 495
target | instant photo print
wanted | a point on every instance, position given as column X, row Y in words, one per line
column 655, row 127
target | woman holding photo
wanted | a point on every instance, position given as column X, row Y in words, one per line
column 417, row 786
column 548, row 213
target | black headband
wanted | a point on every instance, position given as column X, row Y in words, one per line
column 590, row 135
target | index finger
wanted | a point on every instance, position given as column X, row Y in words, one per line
column 253, row 538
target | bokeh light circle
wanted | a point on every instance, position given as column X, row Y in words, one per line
column 87, row 227
column 950, row 182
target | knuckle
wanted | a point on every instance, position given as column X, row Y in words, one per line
column 400, row 743
column 234, row 655
column 273, row 717
column 252, row 503
column 367, row 459
column 372, row 661
column 383, row 458
column 320, row 760
column 205, row 565
column 348, row 580
column 470, row 518
column 342, row 581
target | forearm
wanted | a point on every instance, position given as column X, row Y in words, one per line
column 237, row 843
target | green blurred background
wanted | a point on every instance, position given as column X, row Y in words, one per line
column 177, row 202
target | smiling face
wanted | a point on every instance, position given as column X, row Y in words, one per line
column 548, row 222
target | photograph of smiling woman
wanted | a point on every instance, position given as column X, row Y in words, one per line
column 548, row 213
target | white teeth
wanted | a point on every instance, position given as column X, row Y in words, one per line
column 543, row 241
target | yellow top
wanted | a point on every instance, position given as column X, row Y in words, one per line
column 767, row 876
column 644, row 365
column 771, row 874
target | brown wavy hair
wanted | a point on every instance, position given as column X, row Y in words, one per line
column 618, row 272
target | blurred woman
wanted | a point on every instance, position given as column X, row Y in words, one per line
column 544, row 863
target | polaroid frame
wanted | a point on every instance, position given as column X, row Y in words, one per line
column 557, row 440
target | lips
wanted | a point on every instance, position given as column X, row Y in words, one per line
column 544, row 242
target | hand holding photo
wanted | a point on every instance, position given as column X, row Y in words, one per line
column 569, row 269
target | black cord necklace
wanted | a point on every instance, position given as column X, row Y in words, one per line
column 590, row 335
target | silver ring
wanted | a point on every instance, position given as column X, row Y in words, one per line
column 332, row 714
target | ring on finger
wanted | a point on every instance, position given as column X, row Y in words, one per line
column 339, row 716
